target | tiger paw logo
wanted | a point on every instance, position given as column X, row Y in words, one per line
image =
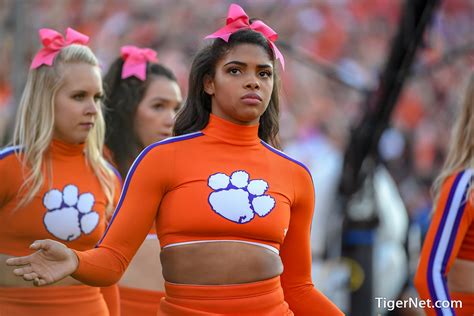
column 69, row 214
column 238, row 199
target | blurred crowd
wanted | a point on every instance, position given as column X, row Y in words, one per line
column 334, row 51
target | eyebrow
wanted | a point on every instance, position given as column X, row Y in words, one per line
column 85, row 91
column 162, row 99
column 244, row 64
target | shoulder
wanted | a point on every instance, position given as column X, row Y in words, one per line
column 460, row 179
column 114, row 170
column 171, row 142
column 456, row 187
column 10, row 163
column 286, row 160
column 166, row 148
column 10, row 154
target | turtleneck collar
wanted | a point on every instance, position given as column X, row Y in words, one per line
column 61, row 148
column 230, row 132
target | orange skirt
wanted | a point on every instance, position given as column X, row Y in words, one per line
column 139, row 302
column 264, row 298
column 80, row 300
column 467, row 303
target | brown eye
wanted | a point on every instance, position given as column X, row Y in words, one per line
column 234, row 71
column 265, row 74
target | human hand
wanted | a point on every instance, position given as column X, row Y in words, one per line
column 51, row 262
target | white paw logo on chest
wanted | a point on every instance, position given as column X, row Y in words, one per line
column 238, row 199
column 69, row 214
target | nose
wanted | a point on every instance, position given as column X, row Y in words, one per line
column 92, row 108
column 168, row 120
column 252, row 83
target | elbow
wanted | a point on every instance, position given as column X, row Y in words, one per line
column 103, row 281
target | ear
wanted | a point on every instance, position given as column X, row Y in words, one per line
column 209, row 85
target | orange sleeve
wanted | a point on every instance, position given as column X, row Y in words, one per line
column 118, row 189
column 145, row 185
column 8, row 165
column 111, row 296
column 111, row 293
column 448, row 227
column 299, row 291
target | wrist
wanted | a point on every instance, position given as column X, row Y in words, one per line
column 75, row 260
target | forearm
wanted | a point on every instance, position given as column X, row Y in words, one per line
column 100, row 267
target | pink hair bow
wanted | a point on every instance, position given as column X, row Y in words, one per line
column 53, row 42
column 237, row 19
column 135, row 61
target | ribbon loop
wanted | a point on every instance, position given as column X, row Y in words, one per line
column 53, row 42
column 135, row 61
column 237, row 20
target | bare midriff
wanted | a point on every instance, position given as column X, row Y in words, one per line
column 219, row 263
column 461, row 276
column 8, row 279
column 144, row 271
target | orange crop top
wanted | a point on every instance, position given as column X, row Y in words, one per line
column 223, row 183
column 450, row 236
column 69, row 208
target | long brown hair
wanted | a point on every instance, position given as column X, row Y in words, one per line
column 194, row 116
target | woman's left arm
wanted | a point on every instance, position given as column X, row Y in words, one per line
column 299, row 291
column 448, row 227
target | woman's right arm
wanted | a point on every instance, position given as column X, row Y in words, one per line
column 146, row 183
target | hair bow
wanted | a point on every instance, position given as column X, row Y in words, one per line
column 53, row 42
column 135, row 61
column 237, row 19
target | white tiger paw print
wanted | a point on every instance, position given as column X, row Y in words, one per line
column 237, row 199
column 68, row 213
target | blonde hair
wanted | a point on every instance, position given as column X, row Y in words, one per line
column 34, row 125
column 461, row 147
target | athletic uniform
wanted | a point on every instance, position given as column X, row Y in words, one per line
column 450, row 237
column 70, row 208
column 222, row 183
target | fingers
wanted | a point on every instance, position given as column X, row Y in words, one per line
column 23, row 270
column 40, row 244
column 39, row 282
column 18, row 261
column 30, row 276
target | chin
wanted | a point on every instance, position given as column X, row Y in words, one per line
column 249, row 116
column 81, row 140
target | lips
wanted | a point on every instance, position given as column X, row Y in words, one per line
column 251, row 96
column 251, row 99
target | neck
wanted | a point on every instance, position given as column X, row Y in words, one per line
column 62, row 148
column 231, row 132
